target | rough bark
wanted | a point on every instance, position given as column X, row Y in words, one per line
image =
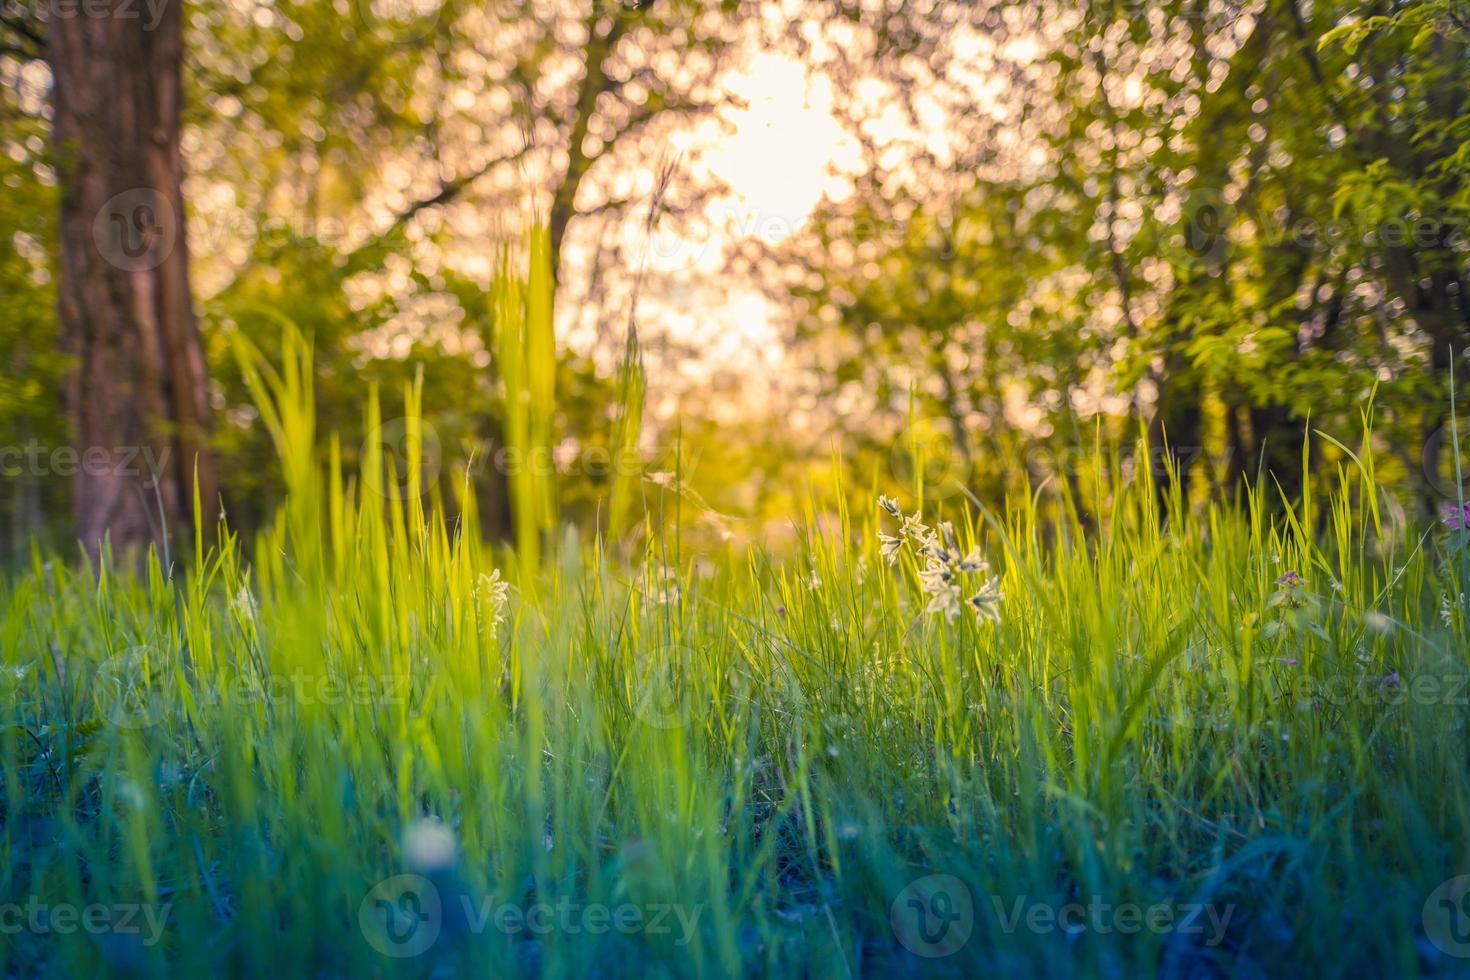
column 136, row 391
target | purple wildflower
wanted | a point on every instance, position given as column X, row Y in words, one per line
column 1456, row 516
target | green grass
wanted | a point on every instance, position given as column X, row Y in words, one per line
column 756, row 755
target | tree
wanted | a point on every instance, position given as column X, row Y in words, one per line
column 136, row 388
column 1259, row 210
column 495, row 111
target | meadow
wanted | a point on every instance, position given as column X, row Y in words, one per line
column 933, row 740
column 733, row 488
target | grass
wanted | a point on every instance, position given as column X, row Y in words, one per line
column 1220, row 744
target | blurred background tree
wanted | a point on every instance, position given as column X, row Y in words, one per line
column 1055, row 225
column 1241, row 217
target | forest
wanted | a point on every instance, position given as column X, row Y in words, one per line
column 719, row 488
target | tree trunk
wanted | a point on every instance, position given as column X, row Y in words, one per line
column 136, row 390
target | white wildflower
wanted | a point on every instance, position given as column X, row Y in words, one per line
column 1447, row 608
column 986, row 602
column 945, row 599
column 942, row 585
column 244, row 605
column 914, row 527
column 888, row 546
column 974, row 562
column 429, row 846
column 492, row 589
column 946, row 536
column 936, row 577
column 132, row 792
column 944, row 569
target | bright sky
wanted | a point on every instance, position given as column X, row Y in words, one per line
column 785, row 151
column 786, row 143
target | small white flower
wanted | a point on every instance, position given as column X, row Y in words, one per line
column 939, row 554
column 133, row 793
column 244, row 604
column 888, row 546
column 1447, row 608
column 935, row 578
column 946, row 536
column 986, row 602
column 944, row 568
column 429, row 846
column 491, row 588
column 974, row 562
column 914, row 527
column 661, row 478
column 945, row 600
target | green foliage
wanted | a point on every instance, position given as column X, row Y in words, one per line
column 31, row 383
column 1233, row 218
column 525, row 347
column 1220, row 710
